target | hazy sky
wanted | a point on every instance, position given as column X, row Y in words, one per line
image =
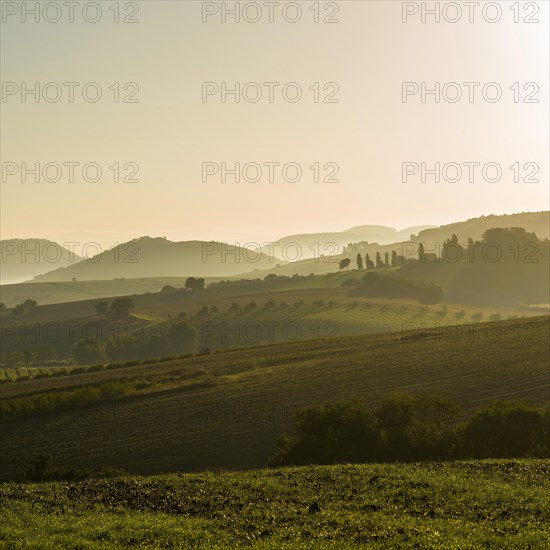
column 170, row 132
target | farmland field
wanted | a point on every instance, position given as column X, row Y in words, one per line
column 234, row 421
column 469, row 504
column 304, row 311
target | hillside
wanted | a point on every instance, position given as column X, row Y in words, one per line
column 496, row 504
column 159, row 257
column 433, row 238
column 302, row 308
column 532, row 222
column 317, row 253
column 22, row 259
column 73, row 291
column 227, row 410
column 309, row 243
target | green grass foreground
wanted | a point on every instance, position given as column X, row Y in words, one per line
column 467, row 504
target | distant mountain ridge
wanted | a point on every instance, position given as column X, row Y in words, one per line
column 432, row 238
column 159, row 257
column 311, row 244
column 22, row 259
column 533, row 222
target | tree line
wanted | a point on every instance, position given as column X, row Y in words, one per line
column 409, row 427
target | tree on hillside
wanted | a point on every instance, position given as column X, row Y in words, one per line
column 344, row 263
column 194, row 284
column 393, row 258
column 369, row 264
column 421, row 253
column 328, row 434
column 386, row 260
column 203, row 311
column 38, row 468
column 505, row 429
column 26, row 307
column 182, row 338
column 101, row 308
column 359, row 262
column 168, row 288
column 415, row 426
column 379, row 263
column 88, row 351
column 122, row 306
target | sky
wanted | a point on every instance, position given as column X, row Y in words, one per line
column 356, row 136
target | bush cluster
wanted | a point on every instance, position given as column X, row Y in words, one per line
column 408, row 427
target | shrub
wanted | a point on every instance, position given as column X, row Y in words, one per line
column 40, row 469
column 385, row 286
column 505, row 429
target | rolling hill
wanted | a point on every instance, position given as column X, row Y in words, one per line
column 317, row 253
column 73, row 291
column 242, row 400
column 433, row 239
column 300, row 307
column 532, row 222
column 381, row 234
column 22, row 259
column 159, row 257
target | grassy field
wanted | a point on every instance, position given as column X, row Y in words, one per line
column 457, row 505
column 252, row 394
